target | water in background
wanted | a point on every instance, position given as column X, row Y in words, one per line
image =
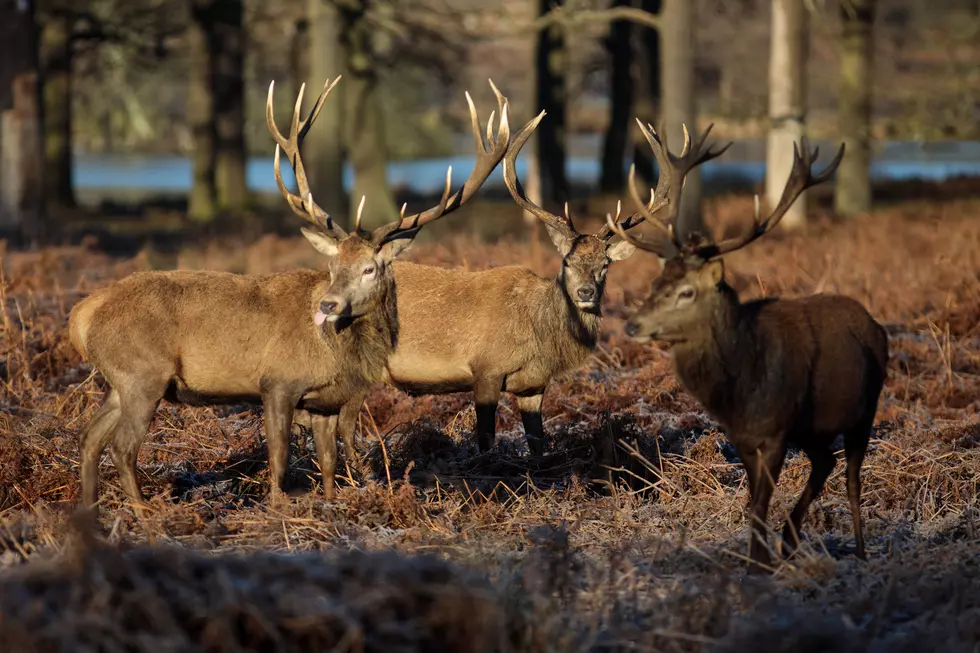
column 741, row 167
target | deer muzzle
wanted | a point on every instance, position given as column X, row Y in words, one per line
column 331, row 309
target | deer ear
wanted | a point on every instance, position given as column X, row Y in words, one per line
column 326, row 245
column 561, row 240
column 391, row 249
column 621, row 250
column 713, row 272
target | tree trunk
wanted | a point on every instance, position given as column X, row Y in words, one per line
column 365, row 128
column 21, row 138
column 789, row 47
column 323, row 150
column 227, row 45
column 853, row 188
column 617, row 44
column 201, row 114
column 679, row 101
column 56, row 60
column 551, row 62
column 648, row 90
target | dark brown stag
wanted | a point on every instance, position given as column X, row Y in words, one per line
column 302, row 339
column 773, row 372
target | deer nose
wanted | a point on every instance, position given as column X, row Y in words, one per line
column 586, row 293
column 328, row 306
column 631, row 329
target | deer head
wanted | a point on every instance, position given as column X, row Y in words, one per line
column 684, row 297
column 585, row 257
column 359, row 262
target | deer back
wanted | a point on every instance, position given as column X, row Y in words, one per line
column 456, row 324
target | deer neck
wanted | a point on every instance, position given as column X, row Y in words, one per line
column 579, row 329
column 718, row 354
column 367, row 341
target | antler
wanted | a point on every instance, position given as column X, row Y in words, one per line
column 302, row 204
column 800, row 178
column 670, row 184
column 561, row 223
column 489, row 154
column 558, row 223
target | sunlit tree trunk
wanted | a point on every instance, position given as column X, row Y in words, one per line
column 551, row 62
column 228, row 50
column 679, row 99
column 789, row 48
column 647, row 81
column 21, row 140
column 200, row 114
column 853, row 188
column 620, row 104
column 56, row 63
column 365, row 121
column 323, row 150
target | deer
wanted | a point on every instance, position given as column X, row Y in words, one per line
column 504, row 329
column 303, row 339
column 773, row 372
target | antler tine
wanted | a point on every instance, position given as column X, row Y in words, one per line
column 662, row 248
column 513, row 183
column 488, row 155
column 801, row 177
column 301, row 204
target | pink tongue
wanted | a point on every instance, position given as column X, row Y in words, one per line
column 320, row 318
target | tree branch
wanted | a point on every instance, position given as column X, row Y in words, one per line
column 561, row 16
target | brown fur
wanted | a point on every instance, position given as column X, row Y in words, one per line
column 773, row 372
column 503, row 329
column 213, row 337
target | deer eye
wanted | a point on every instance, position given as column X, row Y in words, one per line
column 687, row 293
column 368, row 271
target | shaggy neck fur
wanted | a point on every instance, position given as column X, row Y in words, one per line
column 713, row 361
column 364, row 344
column 568, row 332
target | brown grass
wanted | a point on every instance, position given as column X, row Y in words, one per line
column 650, row 561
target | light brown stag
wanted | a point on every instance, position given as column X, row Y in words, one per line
column 305, row 338
column 504, row 329
column 773, row 372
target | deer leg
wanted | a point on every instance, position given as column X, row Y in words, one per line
column 765, row 464
column 530, row 408
column 92, row 442
column 277, row 409
column 487, row 394
column 345, row 424
column 138, row 405
column 325, row 437
column 855, row 446
column 822, row 463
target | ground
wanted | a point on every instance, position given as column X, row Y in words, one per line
column 653, row 561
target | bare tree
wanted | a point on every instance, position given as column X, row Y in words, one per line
column 56, row 64
column 366, row 145
column 620, row 51
column 324, row 149
column 647, row 82
column 201, row 204
column 21, row 141
column 550, row 68
column 228, row 50
column 789, row 48
column 215, row 107
column 679, row 105
column 853, row 189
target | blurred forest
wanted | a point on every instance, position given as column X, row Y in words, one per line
column 190, row 78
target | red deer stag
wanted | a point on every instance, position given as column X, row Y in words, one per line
column 503, row 329
column 301, row 339
column 773, row 372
